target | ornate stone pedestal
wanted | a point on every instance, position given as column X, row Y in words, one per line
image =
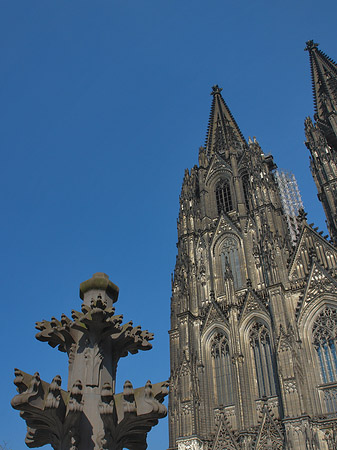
column 89, row 415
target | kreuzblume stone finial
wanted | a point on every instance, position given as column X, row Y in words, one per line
column 99, row 282
column 216, row 90
column 302, row 216
column 310, row 45
column 89, row 415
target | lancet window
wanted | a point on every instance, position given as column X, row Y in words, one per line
column 324, row 334
column 230, row 255
column 222, row 369
column 223, row 197
column 263, row 358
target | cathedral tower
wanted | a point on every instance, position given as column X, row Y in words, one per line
column 247, row 315
column 322, row 136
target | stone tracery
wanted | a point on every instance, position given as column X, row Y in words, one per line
column 324, row 333
column 264, row 362
column 222, row 368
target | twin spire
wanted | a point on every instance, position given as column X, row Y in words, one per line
column 223, row 133
column 324, row 81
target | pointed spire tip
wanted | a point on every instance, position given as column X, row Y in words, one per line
column 310, row 45
column 216, row 90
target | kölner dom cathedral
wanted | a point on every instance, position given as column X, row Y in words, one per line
column 254, row 293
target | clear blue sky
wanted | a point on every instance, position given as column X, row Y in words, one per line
column 103, row 105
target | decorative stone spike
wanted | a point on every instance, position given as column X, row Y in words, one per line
column 89, row 416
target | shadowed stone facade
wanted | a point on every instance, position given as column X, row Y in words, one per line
column 254, row 312
column 322, row 135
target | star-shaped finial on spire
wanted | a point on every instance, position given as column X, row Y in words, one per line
column 310, row 45
column 216, row 90
column 302, row 215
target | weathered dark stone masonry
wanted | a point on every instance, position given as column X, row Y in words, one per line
column 254, row 293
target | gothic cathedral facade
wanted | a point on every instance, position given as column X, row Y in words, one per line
column 254, row 312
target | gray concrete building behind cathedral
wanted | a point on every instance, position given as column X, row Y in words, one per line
column 254, row 307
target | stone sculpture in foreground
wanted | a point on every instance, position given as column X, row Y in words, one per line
column 89, row 415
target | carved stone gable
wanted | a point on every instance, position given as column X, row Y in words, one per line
column 252, row 303
column 312, row 243
column 319, row 282
column 214, row 315
column 218, row 164
column 224, row 437
column 270, row 435
column 224, row 225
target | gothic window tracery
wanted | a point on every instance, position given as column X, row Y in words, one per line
column 223, row 197
column 264, row 362
column 324, row 333
column 230, row 255
column 222, row 369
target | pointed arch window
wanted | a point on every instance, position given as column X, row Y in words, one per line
column 263, row 358
column 223, row 197
column 222, row 369
column 230, row 255
column 324, row 334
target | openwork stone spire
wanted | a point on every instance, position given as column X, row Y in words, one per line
column 322, row 134
column 324, row 81
column 223, row 134
column 89, row 415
